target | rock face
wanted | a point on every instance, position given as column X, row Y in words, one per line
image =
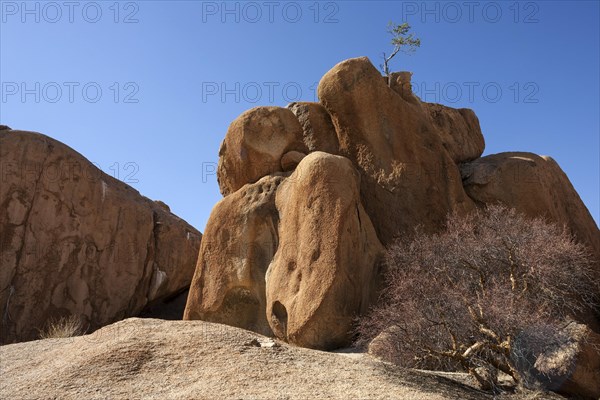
column 408, row 177
column 314, row 192
column 324, row 272
column 75, row 241
column 241, row 239
column 254, row 145
column 534, row 185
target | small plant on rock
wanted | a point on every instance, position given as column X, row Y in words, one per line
column 402, row 40
column 63, row 328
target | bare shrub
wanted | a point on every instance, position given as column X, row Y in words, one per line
column 63, row 328
column 491, row 293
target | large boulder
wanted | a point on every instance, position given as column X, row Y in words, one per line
column 317, row 127
column 408, row 177
column 239, row 242
column 534, row 185
column 254, row 145
column 75, row 241
column 325, row 271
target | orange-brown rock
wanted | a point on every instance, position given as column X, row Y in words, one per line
column 319, row 132
column 458, row 129
column 75, row 241
column 254, row 145
column 534, row 185
column 239, row 242
column 325, row 270
column 408, row 177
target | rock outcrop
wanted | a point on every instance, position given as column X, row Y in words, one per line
column 75, row 241
column 335, row 181
column 535, row 186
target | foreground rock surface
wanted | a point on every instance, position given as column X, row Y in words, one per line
column 75, row 241
column 153, row 359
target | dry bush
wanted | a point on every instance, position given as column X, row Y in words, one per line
column 63, row 328
column 491, row 293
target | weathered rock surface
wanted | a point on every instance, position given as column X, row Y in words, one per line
column 318, row 130
column 152, row 359
column 408, row 177
column 254, row 145
column 534, row 185
column 324, row 273
column 240, row 241
column 74, row 240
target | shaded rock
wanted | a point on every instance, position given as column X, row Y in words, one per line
column 170, row 308
column 325, row 270
column 573, row 368
column 239, row 242
column 75, row 241
column 254, row 145
column 534, row 185
column 291, row 159
column 318, row 130
column 408, row 177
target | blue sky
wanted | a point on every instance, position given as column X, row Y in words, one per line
column 147, row 89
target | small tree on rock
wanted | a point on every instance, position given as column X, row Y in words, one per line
column 402, row 40
column 491, row 293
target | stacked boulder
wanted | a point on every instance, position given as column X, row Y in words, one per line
column 315, row 191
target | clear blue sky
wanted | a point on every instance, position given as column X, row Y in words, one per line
column 174, row 74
